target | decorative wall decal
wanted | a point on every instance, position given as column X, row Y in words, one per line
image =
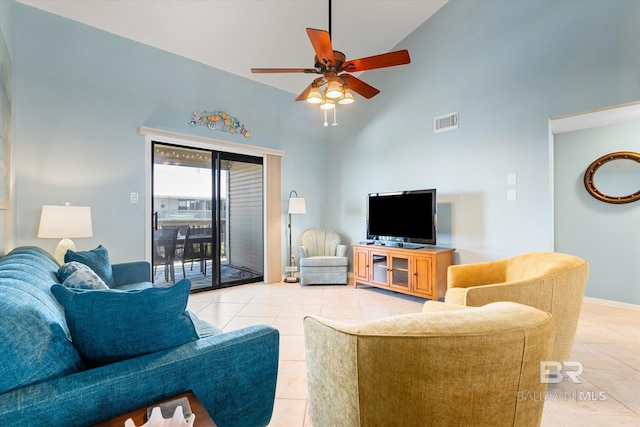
column 219, row 120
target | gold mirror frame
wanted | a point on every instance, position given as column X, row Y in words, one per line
column 593, row 168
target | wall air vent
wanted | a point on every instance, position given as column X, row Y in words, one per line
column 445, row 123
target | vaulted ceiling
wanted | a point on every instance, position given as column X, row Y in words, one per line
column 236, row 35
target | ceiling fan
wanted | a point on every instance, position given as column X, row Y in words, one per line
column 334, row 71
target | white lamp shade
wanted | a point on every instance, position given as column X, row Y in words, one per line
column 297, row 205
column 65, row 222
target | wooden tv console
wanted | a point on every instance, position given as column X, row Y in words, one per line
column 420, row 272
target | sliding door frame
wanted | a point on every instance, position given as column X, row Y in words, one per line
column 272, row 191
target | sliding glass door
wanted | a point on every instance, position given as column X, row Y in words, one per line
column 241, row 219
column 211, row 204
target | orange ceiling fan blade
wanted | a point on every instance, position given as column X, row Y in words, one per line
column 283, row 70
column 321, row 42
column 391, row 59
column 359, row 87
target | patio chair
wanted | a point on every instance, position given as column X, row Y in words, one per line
column 164, row 251
column 197, row 242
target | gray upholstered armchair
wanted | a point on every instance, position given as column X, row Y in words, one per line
column 323, row 259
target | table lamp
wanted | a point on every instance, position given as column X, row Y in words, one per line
column 297, row 205
column 65, row 222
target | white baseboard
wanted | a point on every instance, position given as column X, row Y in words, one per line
column 614, row 304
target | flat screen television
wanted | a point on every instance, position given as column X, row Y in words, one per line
column 404, row 216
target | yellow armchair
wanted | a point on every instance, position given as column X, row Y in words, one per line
column 549, row 281
column 478, row 366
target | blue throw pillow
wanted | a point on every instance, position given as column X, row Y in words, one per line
column 84, row 279
column 96, row 259
column 78, row 275
column 111, row 325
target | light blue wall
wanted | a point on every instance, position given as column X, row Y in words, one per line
column 6, row 24
column 506, row 67
column 82, row 95
column 8, row 217
column 606, row 235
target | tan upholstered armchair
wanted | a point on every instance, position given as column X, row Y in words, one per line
column 323, row 259
column 478, row 366
column 550, row 281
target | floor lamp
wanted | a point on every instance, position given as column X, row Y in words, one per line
column 65, row 222
column 297, row 205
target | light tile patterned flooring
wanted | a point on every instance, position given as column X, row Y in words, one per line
column 607, row 343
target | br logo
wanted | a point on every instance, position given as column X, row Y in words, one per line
column 551, row 371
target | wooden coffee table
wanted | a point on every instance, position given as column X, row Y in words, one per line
column 139, row 416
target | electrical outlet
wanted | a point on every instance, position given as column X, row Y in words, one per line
column 134, row 197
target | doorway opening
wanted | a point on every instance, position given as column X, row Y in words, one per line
column 207, row 223
column 604, row 234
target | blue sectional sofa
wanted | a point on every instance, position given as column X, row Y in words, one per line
column 45, row 382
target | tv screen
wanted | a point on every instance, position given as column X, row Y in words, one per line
column 408, row 216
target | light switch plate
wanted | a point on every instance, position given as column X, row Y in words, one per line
column 511, row 179
column 511, row 195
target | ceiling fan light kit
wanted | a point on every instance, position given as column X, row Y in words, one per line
column 328, row 104
column 346, row 98
column 334, row 69
column 314, row 97
column 334, row 89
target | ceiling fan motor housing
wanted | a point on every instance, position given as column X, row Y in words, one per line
column 324, row 65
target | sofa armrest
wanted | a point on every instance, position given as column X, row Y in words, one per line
column 233, row 374
column 303, row 252
column 131, row 272
column 484, row 273
column 341, row 250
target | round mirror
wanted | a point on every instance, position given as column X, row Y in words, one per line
column 614, row 177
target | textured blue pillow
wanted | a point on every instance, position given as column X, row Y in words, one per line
column 111, row 325
column 97, row 259
column 84, row 279
column 68, row 268
column 75, row 274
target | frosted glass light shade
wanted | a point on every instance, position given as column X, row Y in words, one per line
column 314, row 97
column 347, row 98
column 327, row 104
column 297, row 205
column 334, row 90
